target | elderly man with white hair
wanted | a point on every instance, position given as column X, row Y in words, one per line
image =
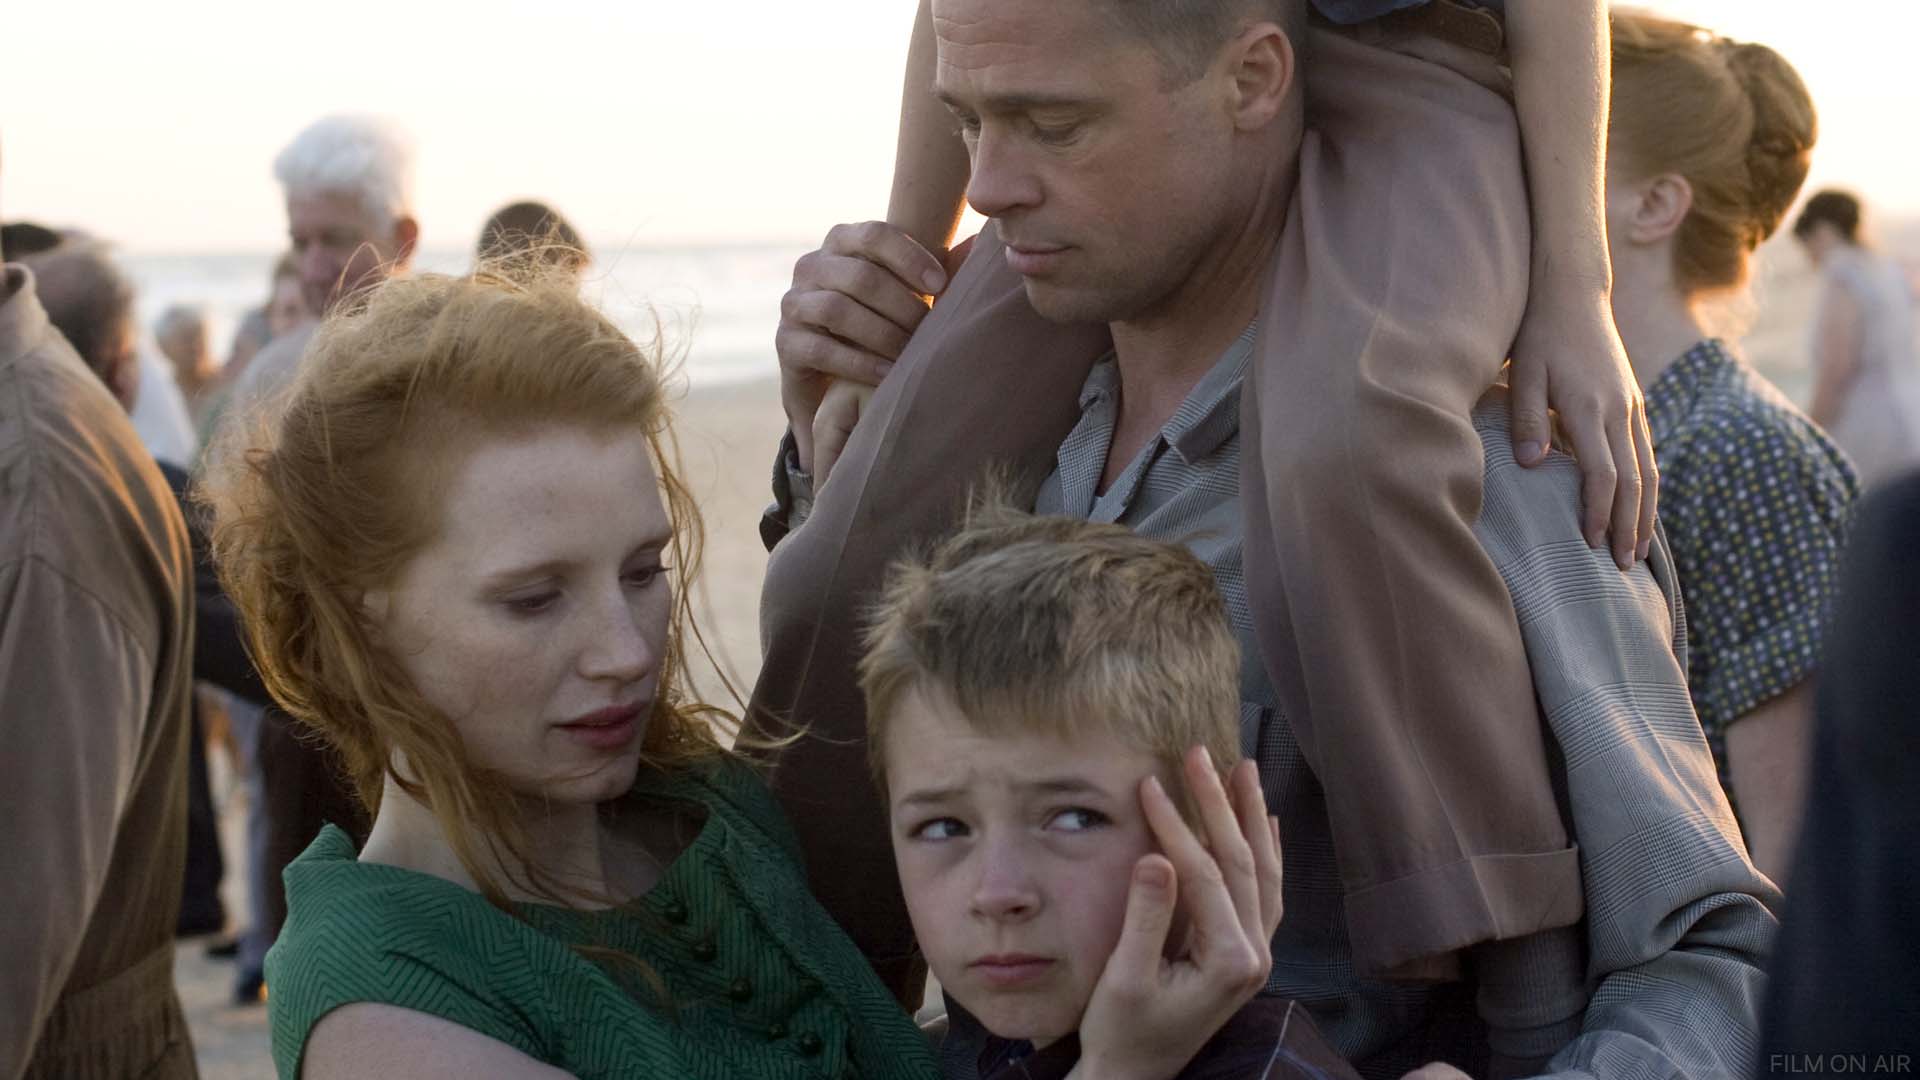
column 349, row 190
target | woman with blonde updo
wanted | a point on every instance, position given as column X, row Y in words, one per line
column 455, row 546
column 1708, row 145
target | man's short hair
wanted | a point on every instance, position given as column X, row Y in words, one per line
column 87, row 298
column 1188, row 34
column 1058, row 626
column 366, row 158
column 20, row 239
column 530, row 229
column 1840, row 209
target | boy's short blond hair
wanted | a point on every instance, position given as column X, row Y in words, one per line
column 1058, row 626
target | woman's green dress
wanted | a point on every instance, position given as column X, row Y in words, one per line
column 761, row 982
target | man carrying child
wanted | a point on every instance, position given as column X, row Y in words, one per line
column 1099, row 339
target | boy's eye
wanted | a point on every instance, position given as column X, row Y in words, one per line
column 1077, row 819
column 945, row 828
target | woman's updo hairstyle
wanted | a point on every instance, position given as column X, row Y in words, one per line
column 1733, row 118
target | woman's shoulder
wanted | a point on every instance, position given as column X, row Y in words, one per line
column 335, row 899
column 1740, row 426
column 366, row 933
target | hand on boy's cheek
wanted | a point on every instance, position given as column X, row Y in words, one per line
column 1180, row 935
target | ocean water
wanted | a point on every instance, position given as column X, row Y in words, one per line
column 716, row 307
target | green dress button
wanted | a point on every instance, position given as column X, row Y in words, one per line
column 741, row 990
column 776, row 1030
column 676, row 912
column 704, row 950
column 809, row 1043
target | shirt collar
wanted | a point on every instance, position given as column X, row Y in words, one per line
column 1208, row 417
column 23, row 322
column 1672, row 395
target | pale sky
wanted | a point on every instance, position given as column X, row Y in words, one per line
column 646, row 121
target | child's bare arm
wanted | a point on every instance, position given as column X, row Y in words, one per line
column 1568, row 354
column 930, row 167
column 930, row 171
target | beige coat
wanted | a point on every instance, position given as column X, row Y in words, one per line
column 96, row 625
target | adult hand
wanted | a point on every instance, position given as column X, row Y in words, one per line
column 1568, row 357
column 1152, row 1011
column 1436, row 1070
column 845, row 400
column 853, row 305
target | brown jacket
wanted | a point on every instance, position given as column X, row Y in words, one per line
column 96, row 624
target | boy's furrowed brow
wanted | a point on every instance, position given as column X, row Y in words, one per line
column 1064, row 785
column 932, row 796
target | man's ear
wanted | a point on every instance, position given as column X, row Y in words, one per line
column 1664, row 202
column 406, row 234
column 1264, row 67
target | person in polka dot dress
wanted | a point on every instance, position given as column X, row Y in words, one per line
column 1708, row 144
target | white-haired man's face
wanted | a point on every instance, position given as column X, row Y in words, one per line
column 341, row 247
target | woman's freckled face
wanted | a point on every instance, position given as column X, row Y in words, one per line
column 543, row 601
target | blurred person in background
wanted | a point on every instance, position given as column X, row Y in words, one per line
column 186, row 340
column 160, row 415
column 284, row 312
column 529, row 229
column 20, row 239
column 1866, row 388
column 96, row 623
column 348, row 182
column 1709, row 142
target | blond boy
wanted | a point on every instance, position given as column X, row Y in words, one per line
column 1047, row 700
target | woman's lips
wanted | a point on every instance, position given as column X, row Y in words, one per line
column 607, row 729
column 1010, row 970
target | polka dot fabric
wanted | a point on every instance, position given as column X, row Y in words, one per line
column 1756, row 501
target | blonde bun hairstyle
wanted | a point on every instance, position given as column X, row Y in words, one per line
column 1731, row 117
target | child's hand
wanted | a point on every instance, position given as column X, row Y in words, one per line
column 840, row 411
column 853, row 305
column 1150, row 1013
column 1568, row 356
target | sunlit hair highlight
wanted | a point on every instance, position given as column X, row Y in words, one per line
column 1731, row 117
column 330, row 491
column 1061, row 627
